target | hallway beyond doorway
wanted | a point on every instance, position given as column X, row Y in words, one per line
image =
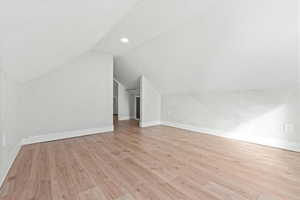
column 124, row 124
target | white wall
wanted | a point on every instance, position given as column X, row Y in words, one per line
column 76, row 96
column 268, row 117
column 10, row 139
column 123, row 103
column 1, row 128
column 150, row 103
column 2, row 161
column 74, row 99
column 11, row 113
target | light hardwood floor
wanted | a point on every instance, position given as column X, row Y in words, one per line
column 152, row 163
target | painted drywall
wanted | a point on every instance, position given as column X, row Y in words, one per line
column 298, row 45
column 1, row 128
column 11, row 113
column 123, row 103
column 149, row 19
column 262, row 116
column 150, row 103
column 77, row 96
column 37, row 37
column 230, row 45
column 2, row 161
column 10, row 138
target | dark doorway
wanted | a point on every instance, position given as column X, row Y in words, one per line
column 137, row 103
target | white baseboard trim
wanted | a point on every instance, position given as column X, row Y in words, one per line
column 148, row 124
column 257, row 140
column 65, row 135
column 46, row 138
column 10, row 160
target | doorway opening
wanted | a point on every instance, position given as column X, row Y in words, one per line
column 126, row 106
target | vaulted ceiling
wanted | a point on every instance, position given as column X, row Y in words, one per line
column 181, row 46
column 38, row 36
column 192, row 46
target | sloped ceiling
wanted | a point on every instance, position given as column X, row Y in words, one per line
column 193, row 46
column 37, row 36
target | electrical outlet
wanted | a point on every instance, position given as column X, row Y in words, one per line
column 288, row 128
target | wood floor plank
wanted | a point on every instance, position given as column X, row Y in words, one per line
column 92, row 194
column 154, row 163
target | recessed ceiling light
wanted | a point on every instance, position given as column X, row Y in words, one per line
column 124, row 40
